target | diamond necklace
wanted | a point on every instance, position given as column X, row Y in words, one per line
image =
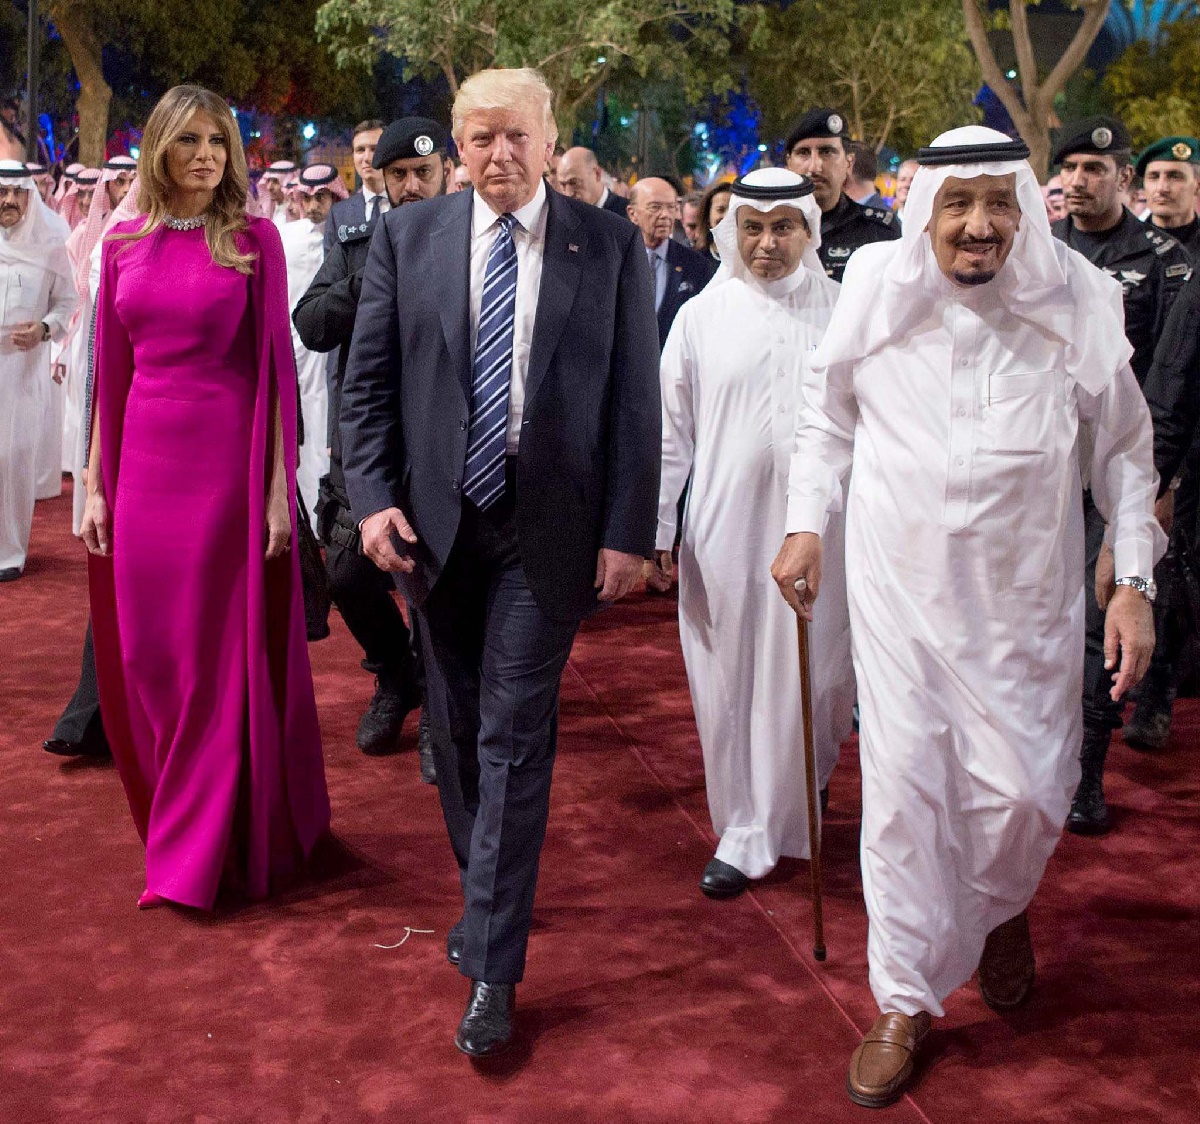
column 183, row 224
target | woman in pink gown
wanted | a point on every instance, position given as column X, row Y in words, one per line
column 197, row 608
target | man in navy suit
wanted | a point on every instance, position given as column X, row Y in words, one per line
column 370, row 198
column 501, row 432
column 581, row 177
column 679, row 272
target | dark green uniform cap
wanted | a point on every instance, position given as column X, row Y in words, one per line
column 1184, row 150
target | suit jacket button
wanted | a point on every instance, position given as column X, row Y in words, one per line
column 456, row 485
column 462, row 425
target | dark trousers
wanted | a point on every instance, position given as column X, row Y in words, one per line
column 80, row 722
column 499, row 661
column 363, row 595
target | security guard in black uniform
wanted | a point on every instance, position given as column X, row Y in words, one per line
column 412, row 154
column 816, row 147
column 1096, row 168
column 1170, row 171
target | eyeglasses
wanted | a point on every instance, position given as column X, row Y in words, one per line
column 659, row 208
column 15, row 192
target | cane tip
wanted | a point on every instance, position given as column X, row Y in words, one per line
column 819, row 953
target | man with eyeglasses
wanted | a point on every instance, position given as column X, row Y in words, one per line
column 679, row 273
column 410, row 158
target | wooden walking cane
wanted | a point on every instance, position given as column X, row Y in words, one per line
column 810, row 775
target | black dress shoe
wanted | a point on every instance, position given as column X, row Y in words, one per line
column 722, row 880
column 486, row 1028
column 380, row 726
column 425, row 749
column 454, row 943
column 10, row 574
column 60, row 747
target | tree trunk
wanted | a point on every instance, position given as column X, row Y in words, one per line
column 74, row 24
column 1033, row 116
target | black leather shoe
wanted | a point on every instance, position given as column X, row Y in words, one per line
column 60, row 747
column 486, row 1028
column 379, row 728
column 454, row 943
column 10, row 574
column 722, row 880
column 1149, row 730
column 425, row 749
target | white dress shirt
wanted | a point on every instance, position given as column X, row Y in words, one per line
column 530, row 237
column 371, row 200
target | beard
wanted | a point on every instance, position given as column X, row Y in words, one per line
column 974, row 276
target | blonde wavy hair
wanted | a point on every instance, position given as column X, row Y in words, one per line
column 226, row 215
column 518, row 88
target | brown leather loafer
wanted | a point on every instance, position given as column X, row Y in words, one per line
column 883, row 1063
column 1007, row 969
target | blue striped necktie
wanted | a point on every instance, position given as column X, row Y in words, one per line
column 486, row 436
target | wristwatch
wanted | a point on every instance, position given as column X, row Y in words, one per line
column 1146, row 588
column 45, row 331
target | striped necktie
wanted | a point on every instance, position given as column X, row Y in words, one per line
column 492, row 370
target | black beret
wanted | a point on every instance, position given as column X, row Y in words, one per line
column 1094, row 136
column 408, row 139
column 822, row 122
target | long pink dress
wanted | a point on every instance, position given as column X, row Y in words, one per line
column 202, row 662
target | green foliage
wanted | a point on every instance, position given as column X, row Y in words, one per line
column 900, row 70
column 1156, row 90
column 577, row 46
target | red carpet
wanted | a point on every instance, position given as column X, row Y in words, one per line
column 643, row 1000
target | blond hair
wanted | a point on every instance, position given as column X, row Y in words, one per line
column 226, row 214
column 518, row 88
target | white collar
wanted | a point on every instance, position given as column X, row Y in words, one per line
column 603, row 198
column 660, row 250
column 528, row 216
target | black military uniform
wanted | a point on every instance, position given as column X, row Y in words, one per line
column 848, row 226
column 324, row 319
column 1184, row 150
column 1152, row 268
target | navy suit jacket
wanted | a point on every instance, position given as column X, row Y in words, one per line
column 617, row 204
column 591, row 431
column 687, row 273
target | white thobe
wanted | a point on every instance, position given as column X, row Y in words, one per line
column 965, row 562
column 731, row 383
column 28, row 293
column 303, row 247
column 50, row 442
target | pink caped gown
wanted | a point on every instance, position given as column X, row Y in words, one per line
column 201, row 655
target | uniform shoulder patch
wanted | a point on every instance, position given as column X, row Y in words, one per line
column 352, row 232
column 1180, row 270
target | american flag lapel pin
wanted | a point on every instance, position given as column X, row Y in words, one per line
column 572, row 248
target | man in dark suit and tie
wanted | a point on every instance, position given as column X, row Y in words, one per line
column 679, row 272
column 370, row 198
column 501, row 432
column 581, row 177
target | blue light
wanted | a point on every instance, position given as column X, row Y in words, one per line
column 762, row 148
column 624, row 122
column 309, row 131
column 134, row 151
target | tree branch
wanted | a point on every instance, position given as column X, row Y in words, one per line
column 1095, row 13
column 992, row 74
column 1023, row 45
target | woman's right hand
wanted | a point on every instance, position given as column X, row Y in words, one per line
column 93, row 529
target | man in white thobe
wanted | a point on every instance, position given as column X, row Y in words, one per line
column 974, row 373
column 731, row 384
column 319, row 185
column 37, row 299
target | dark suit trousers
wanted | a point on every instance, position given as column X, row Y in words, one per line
column 80, row 722
column 501, row 661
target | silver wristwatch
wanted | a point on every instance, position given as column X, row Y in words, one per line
column 1146, row 588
